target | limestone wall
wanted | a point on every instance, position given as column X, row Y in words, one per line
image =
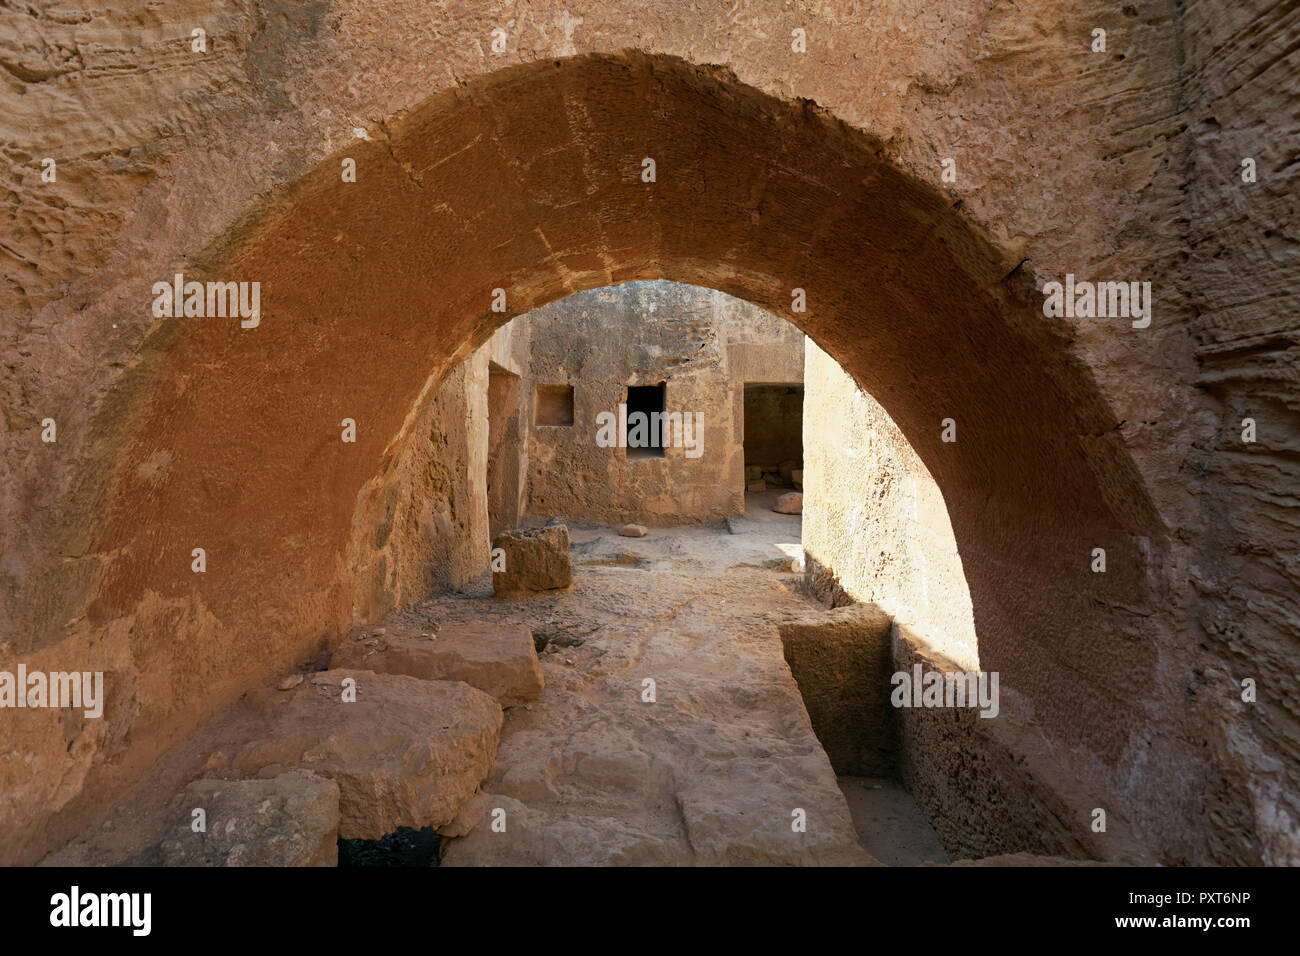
column 875, row 525
column 422, row 525
column 991, row 785
column 646, row 333
column 1239, row 78
column 842, row 663
column 521, row 170
column 876, row 531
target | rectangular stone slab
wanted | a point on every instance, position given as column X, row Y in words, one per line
column 498, row 659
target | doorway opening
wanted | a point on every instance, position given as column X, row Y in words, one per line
column 773, row 437
column 645, row 437
column 505, row 448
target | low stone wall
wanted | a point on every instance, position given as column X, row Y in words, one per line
column 989, row 785
column 841, row 661
column 992, row 785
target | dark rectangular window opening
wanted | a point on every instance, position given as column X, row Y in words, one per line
column 554, row 405
column 649, row 401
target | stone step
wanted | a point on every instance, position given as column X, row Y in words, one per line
column 404, row 752
column 498, row 659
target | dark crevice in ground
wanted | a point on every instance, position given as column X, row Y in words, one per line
column 403, row 847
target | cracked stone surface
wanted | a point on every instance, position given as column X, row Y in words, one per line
column 288, row 820
column 515, row 170
column 406, row 752
column 711, row 771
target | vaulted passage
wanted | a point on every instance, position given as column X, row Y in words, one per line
column 528, row 185
column 668, row 727
column 671, row 692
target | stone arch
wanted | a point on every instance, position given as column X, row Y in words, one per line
column 529, row 179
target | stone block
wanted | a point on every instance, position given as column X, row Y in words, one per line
column 535, row 560
column 842, row 661
column 498, row 659
column 790, row 503
column 405, row 752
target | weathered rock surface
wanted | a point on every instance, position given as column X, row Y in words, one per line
column 632, row 531
column 291, row 819
column 498, row 659
column 961, row 767
column 479, row 812
column 713, row 770
column 1087, row 432
column 790, row 503
column 842, row 662
column 535, row 560
column 407, row 752
column 1024, row 859
column 708, row 345
column 475, row 808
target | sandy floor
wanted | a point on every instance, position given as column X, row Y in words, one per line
column 890, row 825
